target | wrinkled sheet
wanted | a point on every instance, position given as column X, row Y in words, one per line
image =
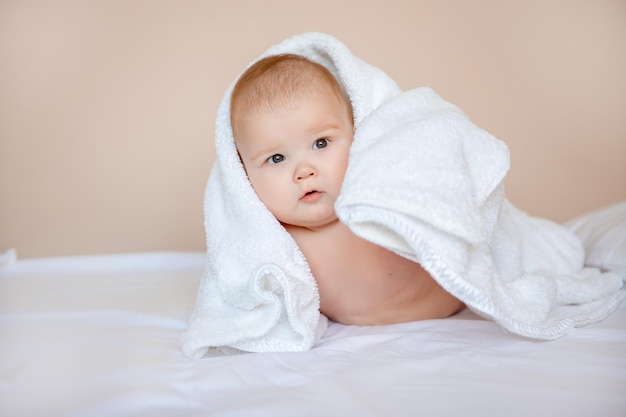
column 100, row 336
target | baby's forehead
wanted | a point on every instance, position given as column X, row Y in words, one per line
column 277, row 82
column 267, row 106
column 280, row 88
column 306, row 114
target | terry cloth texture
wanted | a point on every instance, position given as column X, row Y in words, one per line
column 422, row 181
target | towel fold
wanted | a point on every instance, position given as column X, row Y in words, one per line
column 426, row 183
column 422, row 181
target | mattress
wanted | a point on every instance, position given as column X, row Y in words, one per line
column 100, row 336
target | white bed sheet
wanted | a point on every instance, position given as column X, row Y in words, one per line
column 99, row 336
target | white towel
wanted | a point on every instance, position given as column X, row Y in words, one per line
column 422, row 181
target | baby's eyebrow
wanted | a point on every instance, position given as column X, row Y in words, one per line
column 325, row 128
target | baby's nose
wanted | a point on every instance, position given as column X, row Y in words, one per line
column 304, row 171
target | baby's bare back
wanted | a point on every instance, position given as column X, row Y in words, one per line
column 364, row 284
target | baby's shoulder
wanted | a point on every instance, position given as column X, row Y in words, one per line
column 336, row 243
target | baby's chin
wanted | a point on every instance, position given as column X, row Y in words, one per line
column 312, row 225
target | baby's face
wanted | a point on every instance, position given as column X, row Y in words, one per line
column 296, row 157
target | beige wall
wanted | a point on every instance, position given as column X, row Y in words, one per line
column 107, row 107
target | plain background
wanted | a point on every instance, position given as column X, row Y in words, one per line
column 107, row 107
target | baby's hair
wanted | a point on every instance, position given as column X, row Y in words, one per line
column 276, row 80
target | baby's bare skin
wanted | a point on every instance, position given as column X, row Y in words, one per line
column 296, row 153
column 364, row 284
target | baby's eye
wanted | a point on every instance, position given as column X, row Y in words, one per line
column 275, row 159
column 320, row 143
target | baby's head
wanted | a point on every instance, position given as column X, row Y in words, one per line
column 293, row 128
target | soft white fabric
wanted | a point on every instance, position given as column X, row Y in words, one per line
column 422, row 181
column 603, row 233
column 99, row 337
column 426, row 183
column 257, row 292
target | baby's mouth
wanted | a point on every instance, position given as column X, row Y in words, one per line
column 310, row 195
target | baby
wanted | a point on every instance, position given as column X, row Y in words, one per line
column 293, row 128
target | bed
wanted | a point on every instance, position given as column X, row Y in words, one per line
column 100, row 336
